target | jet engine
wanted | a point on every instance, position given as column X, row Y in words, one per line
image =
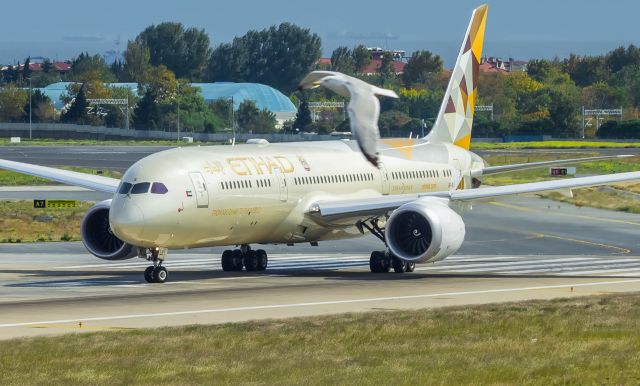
column 425, row 230
column 98, row 238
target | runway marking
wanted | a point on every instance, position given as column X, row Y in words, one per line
column 314, row 304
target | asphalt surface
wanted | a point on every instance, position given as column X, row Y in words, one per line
column 519, row 248
column 522, row 248
column 119, row 158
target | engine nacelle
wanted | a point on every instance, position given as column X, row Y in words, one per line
column 98, row 238
column 425, row 230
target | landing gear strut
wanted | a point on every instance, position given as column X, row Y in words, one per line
column 383, row 261
column 155, row 273
column 235, row 260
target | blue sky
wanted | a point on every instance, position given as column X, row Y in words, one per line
column 520, row 29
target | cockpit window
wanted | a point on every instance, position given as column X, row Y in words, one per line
column 140, row 188
column 124, row 188
column 158, row 188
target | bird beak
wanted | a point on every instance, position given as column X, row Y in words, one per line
column 306, row 86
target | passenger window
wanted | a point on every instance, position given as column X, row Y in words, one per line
column 159, row 188
column 125, row 187
column 140, row 188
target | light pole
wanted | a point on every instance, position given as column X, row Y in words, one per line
column 30, row 133
column 178, row 97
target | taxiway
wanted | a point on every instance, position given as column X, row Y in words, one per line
column 520, row 248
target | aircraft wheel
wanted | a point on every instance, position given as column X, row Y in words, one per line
column 399, row 266
column 263, row 261
column 251, row 260
column 159, row 274
column 237, row 260
column 378, row 262
column 410, row 267
column 227, row 261
column 148, row 274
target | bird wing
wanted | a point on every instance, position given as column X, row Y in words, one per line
column 364, row 110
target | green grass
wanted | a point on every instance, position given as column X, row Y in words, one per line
column 9, row 178
column 590, row 197
column 18, row 222
column 591, row 340
column 552, row 145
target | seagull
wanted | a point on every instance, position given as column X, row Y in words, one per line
column 364, row 107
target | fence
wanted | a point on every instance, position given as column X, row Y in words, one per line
column 69, row 131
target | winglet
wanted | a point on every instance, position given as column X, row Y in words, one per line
column 455, row 118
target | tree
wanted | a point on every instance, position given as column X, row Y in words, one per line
column 621, row 57
column 12, row 101
column 386, row 65
column 183, row 51
column 136, row 61
column 41, row 108
column 421, row 67
column 251, row 119
column 47, row 66
column 278, row 56
column 342, row 60
column 361, row 58
column 563, row 112
column 86, row 68
column 303, row 117
column 77, row 111
column 586, row 70
column 26, row 70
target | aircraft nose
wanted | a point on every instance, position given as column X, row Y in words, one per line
column 127, row 221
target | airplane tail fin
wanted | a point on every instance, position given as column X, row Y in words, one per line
column 455, row 118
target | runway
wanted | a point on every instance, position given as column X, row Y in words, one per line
column 521, row 248
column 119, row 158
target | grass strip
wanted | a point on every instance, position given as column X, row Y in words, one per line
column 20, row 222
column 552, row 145
column 591, row 340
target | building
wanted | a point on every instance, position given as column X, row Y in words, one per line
column 265, row 97
column 497, row 65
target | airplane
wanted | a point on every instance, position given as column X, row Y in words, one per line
column 308, row 192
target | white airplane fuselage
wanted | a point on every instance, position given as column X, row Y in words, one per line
column 245, row 194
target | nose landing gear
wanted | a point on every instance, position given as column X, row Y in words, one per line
column 155, row 273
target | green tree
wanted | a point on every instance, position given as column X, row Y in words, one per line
column 342, row 60
column 586, row 70
column 421, row 67
column 137, row 60
column 183, row 51
column 251, row 119
column 77, row 111
column 12, row 102
column 563, row 112
column 41, row 108
column 386, row 65
column 26, row 70
column 361, row 58
column 621, row 57
column 47, row 66
column 303, row 117
column 90, row 68
column 278, row 56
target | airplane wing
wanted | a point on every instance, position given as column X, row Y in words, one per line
column 347, row 209
column 533, row 165
column 89, row 181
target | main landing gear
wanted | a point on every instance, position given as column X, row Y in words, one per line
column 155, row 273
column 235, row 260
column 383, row 261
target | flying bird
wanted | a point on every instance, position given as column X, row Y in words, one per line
column 364, row 107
